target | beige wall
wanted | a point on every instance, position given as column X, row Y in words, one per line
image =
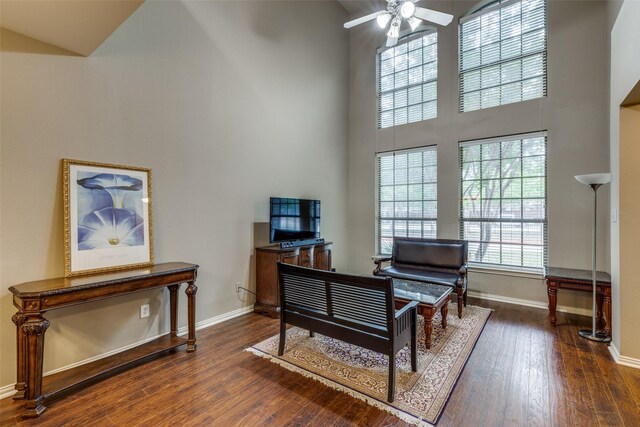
column 630, row 230
column 228, row 103
column 625, row 74
column 574, row 113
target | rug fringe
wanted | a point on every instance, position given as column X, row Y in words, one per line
column 369, row 400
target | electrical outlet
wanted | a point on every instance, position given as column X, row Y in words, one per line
column 144, row 311
column 238, row 285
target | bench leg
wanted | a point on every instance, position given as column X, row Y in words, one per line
column 414, row 342
column 392, row 377
column 283, row 334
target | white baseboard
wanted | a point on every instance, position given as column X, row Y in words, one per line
column 623, row 360
column 529, row 303
column 8, row 390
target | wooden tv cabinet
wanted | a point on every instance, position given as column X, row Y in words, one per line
column 316, row 256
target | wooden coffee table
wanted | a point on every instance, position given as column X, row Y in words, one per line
column 431, row 297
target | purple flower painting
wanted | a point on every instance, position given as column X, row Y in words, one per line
column 110, row 211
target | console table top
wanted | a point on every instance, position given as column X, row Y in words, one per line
column 60, row 285
column 575, row 274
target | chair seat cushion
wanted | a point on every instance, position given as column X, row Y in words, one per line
column 439, row 278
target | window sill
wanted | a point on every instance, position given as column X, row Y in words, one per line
column 505, row 271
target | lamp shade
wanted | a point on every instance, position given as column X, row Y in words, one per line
column 594, row 178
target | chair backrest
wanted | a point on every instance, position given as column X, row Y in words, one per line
column 443, row 254
column 359, row 302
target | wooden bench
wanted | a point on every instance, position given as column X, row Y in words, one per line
column 358, row 310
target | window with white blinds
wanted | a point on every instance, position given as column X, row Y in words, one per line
column 503, row 54
column 407, row 196
column 503, row 203
column 407, row 80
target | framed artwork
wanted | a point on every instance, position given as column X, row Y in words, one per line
column 107, row 217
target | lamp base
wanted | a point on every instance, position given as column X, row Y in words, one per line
column 598, row 336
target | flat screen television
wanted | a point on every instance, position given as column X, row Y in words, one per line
column 294, row 219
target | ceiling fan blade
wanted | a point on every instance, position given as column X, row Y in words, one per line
column 391, row 41
column 363, row 19
column 433, row 16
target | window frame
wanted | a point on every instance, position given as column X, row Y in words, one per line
column 484, row 8
column 406, row 38
column 379, row 218
column 544, row 221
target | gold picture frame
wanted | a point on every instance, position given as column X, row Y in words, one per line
column 108, row 222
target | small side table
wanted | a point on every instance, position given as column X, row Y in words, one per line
column 580, row 280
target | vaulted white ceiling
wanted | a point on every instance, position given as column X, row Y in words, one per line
column 79, row 26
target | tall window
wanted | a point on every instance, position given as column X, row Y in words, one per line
column 503, row 54
column 406, row 195
column 503, row 210
column 407, row 80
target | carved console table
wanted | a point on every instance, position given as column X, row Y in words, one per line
column 580, row 280
column 33, row 299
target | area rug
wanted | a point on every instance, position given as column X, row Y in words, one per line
column 420, row 396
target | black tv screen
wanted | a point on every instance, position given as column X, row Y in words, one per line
column 294, row 219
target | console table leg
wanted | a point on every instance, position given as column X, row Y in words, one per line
column 34, row 329
column 173, row 302
column 599, row 319
column 191, row 291
column 552, row 292
column 607, row 314
column 21, row 366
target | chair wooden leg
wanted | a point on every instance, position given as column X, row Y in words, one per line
column 312, row 334
column 283, row 334
column 464, row 297
column 460, row 303
column 392, row 377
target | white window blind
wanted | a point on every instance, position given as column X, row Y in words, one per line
column 406, row 195
column 503, row 203
column 407, row 81
column 503, row 54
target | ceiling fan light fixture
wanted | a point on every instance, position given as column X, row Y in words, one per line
column 407, row 9
column 383, row 19
column 414, row 22
column 394, row 30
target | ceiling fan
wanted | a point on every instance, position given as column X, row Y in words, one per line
column 397, row 10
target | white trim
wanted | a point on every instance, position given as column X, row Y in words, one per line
column 8, row 390
column 530, row 303
column 623, row 360
column 504, row 271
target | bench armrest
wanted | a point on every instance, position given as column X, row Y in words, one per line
column 406, row 308
column 463, row 270
column 378, row 260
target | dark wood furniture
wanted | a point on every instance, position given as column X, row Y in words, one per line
column 356, row 309
column 580, row 280
column 430, row 298
column 33, row 299
column 316, row 256
column 438, row 261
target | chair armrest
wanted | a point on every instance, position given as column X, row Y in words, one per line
column 378, row 260
column 408, row 307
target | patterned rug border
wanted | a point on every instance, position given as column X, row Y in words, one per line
column 385, row 406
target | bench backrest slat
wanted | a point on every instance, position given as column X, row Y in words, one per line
column 353, row 301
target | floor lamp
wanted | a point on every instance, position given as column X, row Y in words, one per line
column 595, row 181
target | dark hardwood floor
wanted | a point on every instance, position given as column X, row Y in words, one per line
column 522, row 372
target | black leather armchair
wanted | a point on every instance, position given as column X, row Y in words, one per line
column 440, row 261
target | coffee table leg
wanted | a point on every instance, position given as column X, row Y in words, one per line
column 428, row 329
column 444, row 311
